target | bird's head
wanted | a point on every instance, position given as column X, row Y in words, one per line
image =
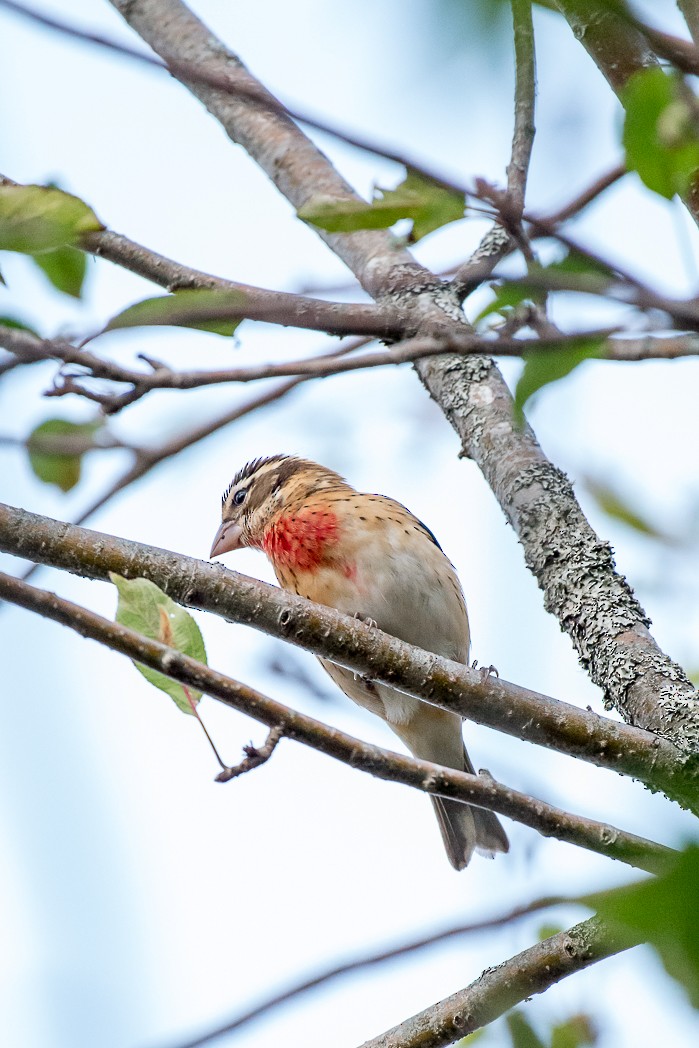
column 262, row 491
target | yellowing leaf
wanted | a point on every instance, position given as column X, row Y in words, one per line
column 144, row 607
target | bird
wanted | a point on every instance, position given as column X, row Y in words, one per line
column 367, row 556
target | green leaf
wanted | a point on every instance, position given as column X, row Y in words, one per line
column 663, row 911
column 17, row 325
column 60, row 469
column 65, row 267
column 507, row 296
column 145, row 608
column 660, row 132
column 512, row 293
column 204, row 309
column 542, row 366
column 575, row 262
column 41, row 218
column 429, row 205
column 522, row 1033
column 576, row 1032
column 611, row 503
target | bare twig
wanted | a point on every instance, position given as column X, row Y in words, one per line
column 498, row 345
column 590, row 193
column 361, row 648
column 255, row 756
column 423, row 775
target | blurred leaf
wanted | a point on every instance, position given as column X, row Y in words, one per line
column 574, row 262
column 18, row 325
column 545, row 931
column 660, row 133
column 611, row 503
column 145, row 608
column 471, row 1038
column 60, row 469
column 513, row 293
column 65, row 267
column 663, row 911
column 542, row 366
column 506, row 297
column 576, row 1032
column 427, row 203
column 522, row 1033
column 693, row 674
column 204, row 309
column 41, row 218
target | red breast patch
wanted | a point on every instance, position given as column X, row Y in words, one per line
column 300, row 541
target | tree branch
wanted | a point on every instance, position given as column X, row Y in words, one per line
column 690, row 11
column 525, row 100
column 423, row 775
column 498, row 989
column 209, row 587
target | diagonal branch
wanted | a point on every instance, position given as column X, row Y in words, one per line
column 363, row 649
column 431, row 778
column 498, row 989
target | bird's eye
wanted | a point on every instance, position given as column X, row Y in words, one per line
column 239, row 497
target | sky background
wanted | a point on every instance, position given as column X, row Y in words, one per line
column 140, row 901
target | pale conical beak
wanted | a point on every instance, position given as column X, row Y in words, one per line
column 227, row 539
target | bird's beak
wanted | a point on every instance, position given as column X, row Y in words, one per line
column 227, row 539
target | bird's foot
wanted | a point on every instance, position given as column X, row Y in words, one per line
column 484, row 671
column 365, row 619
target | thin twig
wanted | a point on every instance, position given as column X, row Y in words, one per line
column 255, row 756
column 232, row 84
column 587, row 196
column 423, row 775
column 372, row 959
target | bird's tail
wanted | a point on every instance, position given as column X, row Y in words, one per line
column 435, row 735
column 458, row 828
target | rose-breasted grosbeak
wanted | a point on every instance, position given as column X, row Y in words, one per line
column 366, row 555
